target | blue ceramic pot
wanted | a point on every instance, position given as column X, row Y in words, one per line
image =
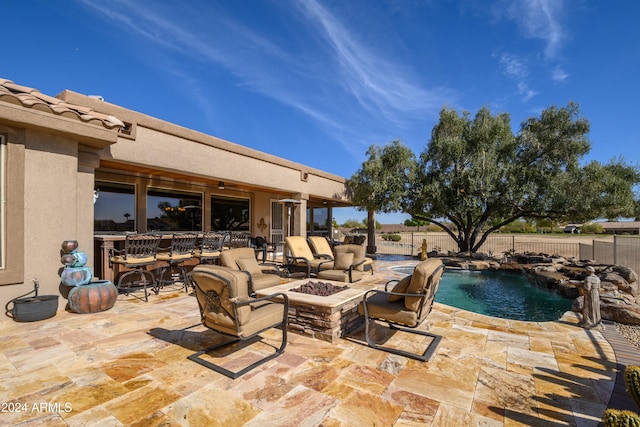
column 75, row 276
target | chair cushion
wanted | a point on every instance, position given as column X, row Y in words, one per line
column 166, row 256
column 379, row 307
column 340, row 275
column 343, row 261
column 249, row 265
column 400, row 287
column 132, row 261
column 299, row 247
column 229, row 258
column 357, row 251
column 419, row 282
column 262, row 281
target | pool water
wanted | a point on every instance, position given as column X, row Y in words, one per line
column 499, row 294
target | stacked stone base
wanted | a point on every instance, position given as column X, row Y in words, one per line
column 324, row 323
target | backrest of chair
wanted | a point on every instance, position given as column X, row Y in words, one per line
column 212, row 241
column 183, row 243
column 298, row 247
column 141, row 246
column 239, row 239
column 424, row 282
column 216, row 289
column 358, row 252
column 230, row 257
column 320, row 245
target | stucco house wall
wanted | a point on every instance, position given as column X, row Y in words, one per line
column 56, row 148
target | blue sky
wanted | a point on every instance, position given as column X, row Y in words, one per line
column 318, row 82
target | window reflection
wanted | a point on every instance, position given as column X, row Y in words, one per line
column 229, row 214
column 318, row 221
column 173, row 211
column 114, row 208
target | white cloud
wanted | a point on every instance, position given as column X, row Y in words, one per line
column 539, row 19
column 559, row 75
column 515, row 68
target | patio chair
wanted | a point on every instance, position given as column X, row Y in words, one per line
column 210, row 247
column 181, row 250
column 405, row 307
column 260, row 275
column 226, row 308
column 359, row 240
column 320, row 246
column 299, row 257
column 348, row 264
column 139, row 252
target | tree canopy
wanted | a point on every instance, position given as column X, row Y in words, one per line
column 476, row 174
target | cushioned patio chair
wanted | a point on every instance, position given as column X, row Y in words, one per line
column 226, row 308
column 139, row 252
column 405, row 307
column 359, row 240
column 260, row 275
column 300, row 257
column 348, row 264
column 320, row 246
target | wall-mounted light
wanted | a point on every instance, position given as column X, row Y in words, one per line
column 220, row 185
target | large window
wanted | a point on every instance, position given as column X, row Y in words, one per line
column 170, row 210
column 114, row 209
column 318, row 221
column 230, row 214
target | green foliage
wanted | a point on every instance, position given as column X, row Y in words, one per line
column 632, row 381
column 392, row 237
column 352, row 223
column 414, row 222
column 519, row 227
column 479, row 176
column 620, row 418
column 592, row 229
column 383, row 179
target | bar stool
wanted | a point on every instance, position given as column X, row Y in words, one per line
column 210, row 247
column 181, row 250
column 140, row 251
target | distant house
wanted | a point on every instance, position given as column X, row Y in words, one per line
column 621, row 227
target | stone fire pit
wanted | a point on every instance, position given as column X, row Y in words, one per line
column 326, row 317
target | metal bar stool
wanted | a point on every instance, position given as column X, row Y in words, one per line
column 140, row 251
column 210, row 247
column 181, row 250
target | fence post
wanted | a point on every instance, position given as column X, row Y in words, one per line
column 615, row 250
column 513, row 244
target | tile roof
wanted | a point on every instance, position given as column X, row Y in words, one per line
column 32, row 98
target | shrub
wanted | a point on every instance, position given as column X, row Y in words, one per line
column 592, row 229
column 392, row 237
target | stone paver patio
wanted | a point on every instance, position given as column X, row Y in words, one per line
column 128, row 366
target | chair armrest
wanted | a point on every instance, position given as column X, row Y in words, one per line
column 386, row 285
column 323, row 256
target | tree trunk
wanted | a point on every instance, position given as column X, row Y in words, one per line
column 371, row 232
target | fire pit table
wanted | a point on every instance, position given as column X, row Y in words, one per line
column 326, row 317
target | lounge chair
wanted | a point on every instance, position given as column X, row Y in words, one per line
column 299, row 257
column 260, row 275
column 348, row 264
column 320, row 246
column 226, row 307
column 405, row 307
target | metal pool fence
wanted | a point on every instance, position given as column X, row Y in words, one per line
column 623, row 250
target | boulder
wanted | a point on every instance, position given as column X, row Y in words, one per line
column 478, row 265
column 627, row 273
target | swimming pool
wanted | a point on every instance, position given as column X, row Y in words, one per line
column 499, row 294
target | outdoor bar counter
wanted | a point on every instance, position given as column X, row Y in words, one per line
column 102, row 245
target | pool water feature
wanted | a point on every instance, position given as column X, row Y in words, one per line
column 500, row 294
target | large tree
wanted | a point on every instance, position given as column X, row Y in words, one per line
column 382, row 182
column 479, row 176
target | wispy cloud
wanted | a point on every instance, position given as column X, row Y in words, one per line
column 515, row 68
column 539, row 19
column 341, row 84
